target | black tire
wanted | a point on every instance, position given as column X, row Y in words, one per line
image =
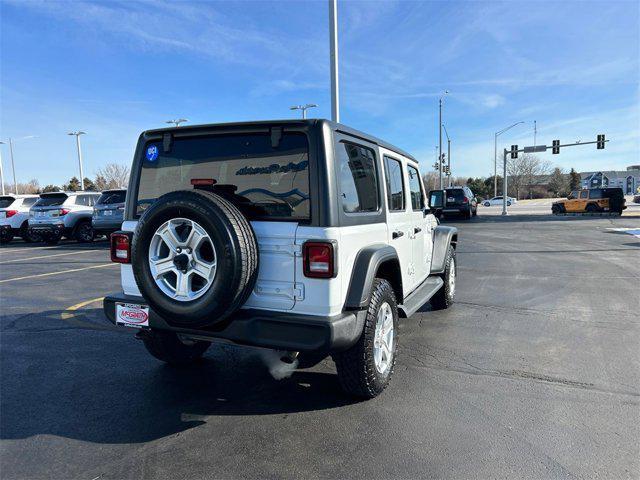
column 166, row 346
column 27, row 236
column 232, row 238
column 467, row 214
column 356, row 367
column 83, row 232
column 51, row 240
column 508, row 203
column 555, row 209
column 475, row 212
column 444, row 297
column 5, row 236
column 487, row 204
column 591, row 208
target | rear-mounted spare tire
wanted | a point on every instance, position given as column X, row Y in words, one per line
column 194, row 258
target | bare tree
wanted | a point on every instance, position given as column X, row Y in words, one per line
column 430, row 180
column 112, row 175
column 524, row 172
column 32, row 186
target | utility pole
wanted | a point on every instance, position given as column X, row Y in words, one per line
column 333, row 39
column 440, row 137
column 77, row 135
column 13, row 166
column 1, row 171
column 535, row 132
column 304, row 108
column 495, row 156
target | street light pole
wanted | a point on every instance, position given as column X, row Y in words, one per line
column 77, row 135
column 1, row 171
column 333, row 39
column 13, row 166
column 176, row 122
column 304, row 108
column 448, row 155
column 440, row 136
column 495, row 157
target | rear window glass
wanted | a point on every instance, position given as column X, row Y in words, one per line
column 457, row 194
column 6, row 201
column 109, row 198
column 261, row 180
column 51, row 200
column 27, row 202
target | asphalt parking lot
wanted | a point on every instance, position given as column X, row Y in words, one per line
column 533, row 373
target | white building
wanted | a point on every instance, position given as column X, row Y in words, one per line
column 628, row 180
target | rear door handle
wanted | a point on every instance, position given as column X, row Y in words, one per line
column 397, row 234
column 417, row 230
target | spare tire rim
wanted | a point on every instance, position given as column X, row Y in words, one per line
column 383, row 339
column 182, row 259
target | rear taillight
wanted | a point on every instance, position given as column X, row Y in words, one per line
column 10, row 213
column 465, row 200
column 120, row 248
column 318, row 259
column 63, row 211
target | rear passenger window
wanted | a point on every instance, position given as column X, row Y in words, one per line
column 395, row 183
column 415, row 187
column 358, row 178
column 28, row 202
column 584, row 194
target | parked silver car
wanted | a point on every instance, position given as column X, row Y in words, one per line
column 108, row 212
column 63, row 214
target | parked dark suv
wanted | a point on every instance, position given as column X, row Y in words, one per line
column 457, row 200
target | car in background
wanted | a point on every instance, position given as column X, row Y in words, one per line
column 459, row 200
column 498, row 201
column 14, row 217
column 592, row 200
column 108, row 212
column 63, row 214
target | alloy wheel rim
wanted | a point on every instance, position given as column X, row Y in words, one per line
column 384, row 339
column 182, row 259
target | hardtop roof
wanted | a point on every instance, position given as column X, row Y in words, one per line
column 338, row 127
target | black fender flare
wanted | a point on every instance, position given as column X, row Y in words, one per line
column 443, row 236
column 364, row 271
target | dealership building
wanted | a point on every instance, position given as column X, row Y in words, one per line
column 628, row 180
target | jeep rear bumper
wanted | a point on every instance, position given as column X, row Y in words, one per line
column 266, row 329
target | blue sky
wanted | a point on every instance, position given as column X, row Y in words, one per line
column 115, row 68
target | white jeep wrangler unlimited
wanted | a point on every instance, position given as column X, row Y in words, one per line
column 303, row 236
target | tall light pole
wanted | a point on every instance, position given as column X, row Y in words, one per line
column 448, row 155
column 77, row 135
column 333, row 40
column 495, row 157
column 176, row 122
column 304, row 108
column 1, row 171
column 440, row 138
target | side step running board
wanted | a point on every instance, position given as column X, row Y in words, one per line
column 420, row 296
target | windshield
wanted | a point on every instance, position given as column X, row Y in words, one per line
column 51, row 200
column 6, row 201
column 109, row 198
column 261, row 180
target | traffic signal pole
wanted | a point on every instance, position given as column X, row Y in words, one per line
column 538, row 148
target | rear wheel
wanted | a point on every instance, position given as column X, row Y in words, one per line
column 5, row 237
column 591, row 208
column 444, row 297
column 169, row 348
column 27, row 236
column 365, row 369
column 487, row 204
column 84, row 232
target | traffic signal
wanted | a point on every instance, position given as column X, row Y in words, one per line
column 556, row 147
column 600, row 143
column 436, row 167
column 514, row 151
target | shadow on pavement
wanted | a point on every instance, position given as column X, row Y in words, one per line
column 102, row 387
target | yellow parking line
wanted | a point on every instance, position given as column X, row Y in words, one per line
column 70, row 311
column 58, row 273
column 47, row 256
